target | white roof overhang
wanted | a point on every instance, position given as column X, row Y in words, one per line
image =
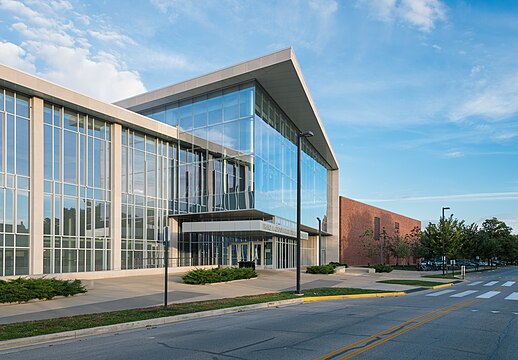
column 278, row 73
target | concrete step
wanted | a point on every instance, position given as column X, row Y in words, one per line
column 354, row 270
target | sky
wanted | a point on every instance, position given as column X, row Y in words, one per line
column 419, row 97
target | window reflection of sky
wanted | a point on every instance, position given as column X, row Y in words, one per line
column 245, row 119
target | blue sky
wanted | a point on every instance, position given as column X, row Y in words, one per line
column 419, row 97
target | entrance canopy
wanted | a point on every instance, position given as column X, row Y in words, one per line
column 245, row 227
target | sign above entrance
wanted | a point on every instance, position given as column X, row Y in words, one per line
column 242, row 226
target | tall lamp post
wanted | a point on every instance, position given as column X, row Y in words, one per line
column 301, row 135
column 166, row 262
column 442, row 235
column 319, row 241
column 382, row 243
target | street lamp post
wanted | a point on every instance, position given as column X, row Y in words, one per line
column 442, row 235
column 319, row 241
column 166, row 262
column 299, row 140
column 382, row 245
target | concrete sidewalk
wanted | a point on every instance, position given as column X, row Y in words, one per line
column 147, row 290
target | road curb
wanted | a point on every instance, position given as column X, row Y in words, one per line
column 442, row 286
column 356, row 296
column 74, row 334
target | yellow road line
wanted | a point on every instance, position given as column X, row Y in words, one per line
column 398, row 333
column 355, row 296
column 442, row 286
column 421, row 320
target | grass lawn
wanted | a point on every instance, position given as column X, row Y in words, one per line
column 440, row 276
column 412, row 282
column 42, row 327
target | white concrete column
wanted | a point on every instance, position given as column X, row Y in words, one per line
column 333, row 216
column 116, row 201
column 37, row 151
column 173, row 242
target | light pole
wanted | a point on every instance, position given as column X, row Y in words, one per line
column 166, row 262
column 382, row 243
column 442, row 235
column 319, row 241
column 299, row 140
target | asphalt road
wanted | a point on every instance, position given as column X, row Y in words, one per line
column 477, row 319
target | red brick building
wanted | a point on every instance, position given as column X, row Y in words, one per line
column 366, row 231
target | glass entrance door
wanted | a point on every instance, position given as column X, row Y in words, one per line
column 240, row 252
column 258, row 254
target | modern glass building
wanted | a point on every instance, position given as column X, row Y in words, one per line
column 89, row 187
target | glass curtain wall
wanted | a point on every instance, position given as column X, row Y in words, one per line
column 14, row 183
column 237, row 150
column 215, row 156
column 203, row 249
column 77, row 196
column 147, row 197
column 275, row 151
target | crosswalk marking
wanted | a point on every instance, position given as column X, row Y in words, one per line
column 464, row 293
column 491, row 283
column 488, row 295
column 513, row 296
column 475, row 283
column 439, row 293
column 509, row 283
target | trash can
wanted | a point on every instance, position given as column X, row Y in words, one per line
column 247, row 264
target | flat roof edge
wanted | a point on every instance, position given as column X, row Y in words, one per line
column 211, row 77
column 33, row 85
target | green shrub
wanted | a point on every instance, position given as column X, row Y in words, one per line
column 380, row 268
column 321, row 269
column 405, row 267
column 23, row 289
column 220, row 274
column 337, row 264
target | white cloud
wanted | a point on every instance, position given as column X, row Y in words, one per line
column 19, row 9
column 422, row 14
column 63, row 49
column 14, row 56
column 325, row 8
column 512, row 195
column 163, row 60
column 476, row 69
column 61, row 5
column 112, row 37
column 497, row 101
column 100, row 78
column 310, row 24
column 454, row 154
column 43, row 34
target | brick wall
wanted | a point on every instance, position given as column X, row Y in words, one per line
column 356, row 218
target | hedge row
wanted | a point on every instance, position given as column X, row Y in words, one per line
column 220, row 274
column 380, row 268
column 23, row 289
column 324, row 269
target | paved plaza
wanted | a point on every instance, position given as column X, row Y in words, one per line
column 147, row 290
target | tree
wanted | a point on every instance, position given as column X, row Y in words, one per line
column 495, row 239
column 398, row 246
column 469, row 245
column 368, row 246
column 417, row 250
column 453, row 237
